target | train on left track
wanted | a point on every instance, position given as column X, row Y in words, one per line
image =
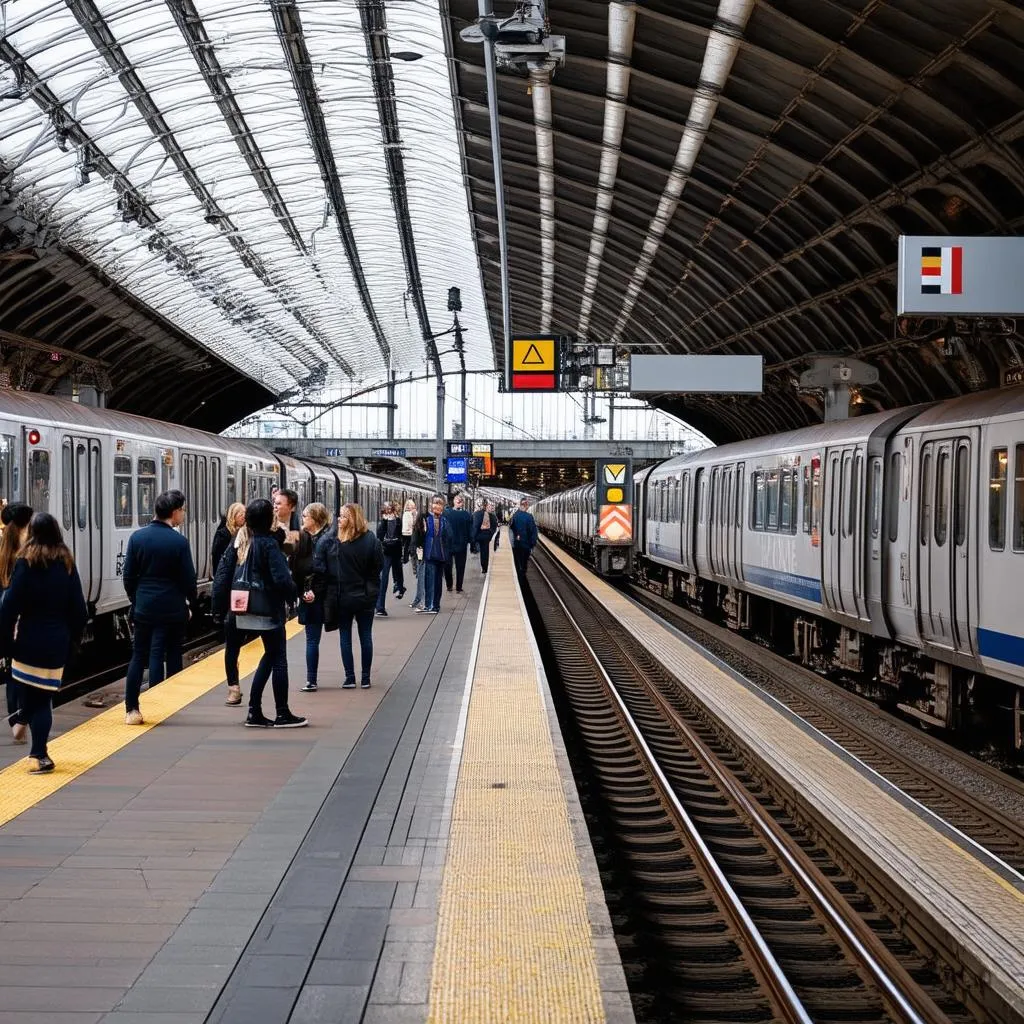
column 888, row 547
column 99, row 472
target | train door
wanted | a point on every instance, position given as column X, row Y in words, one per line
column 831, row 538
column 700, row 526
column 83, row 531
column 734, row 517
column 945, row 516
column 188, row 488
column 846, row 533
column 715, row 525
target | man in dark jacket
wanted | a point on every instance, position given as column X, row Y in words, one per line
column 160, row 581
column 523, row 529
column 437, row 543
column 484, row 525
column 461, row 523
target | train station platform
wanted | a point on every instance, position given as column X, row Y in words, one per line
column 918, row 866
column 417, row 853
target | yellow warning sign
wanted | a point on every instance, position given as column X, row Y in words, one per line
column 536, row 354
column 614, row 473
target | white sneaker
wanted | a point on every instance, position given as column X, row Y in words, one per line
column 134, row 718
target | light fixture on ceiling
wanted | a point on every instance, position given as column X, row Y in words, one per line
column 407, row 55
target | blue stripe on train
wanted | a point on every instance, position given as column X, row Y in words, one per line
column 1001, row 646
column 807, row 588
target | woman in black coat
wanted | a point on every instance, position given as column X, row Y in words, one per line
column 346, row 576
column 41, row 619
column 270, row 587
column 389, row 533
column 316, row 522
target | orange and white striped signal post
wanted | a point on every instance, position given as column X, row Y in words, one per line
column 613, row 545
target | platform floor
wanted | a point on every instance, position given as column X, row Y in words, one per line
column 969, row 894
column 199, row 871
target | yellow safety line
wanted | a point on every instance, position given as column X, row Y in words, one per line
column 514, row 938
column 92, row 742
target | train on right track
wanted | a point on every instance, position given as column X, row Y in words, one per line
column 887, row 547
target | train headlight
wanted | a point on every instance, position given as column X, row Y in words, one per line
column 34, row 437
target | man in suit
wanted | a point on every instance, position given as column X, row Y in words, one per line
column 523, row 529
column 160, row 581
column 461, row 523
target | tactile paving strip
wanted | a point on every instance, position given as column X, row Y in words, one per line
column 94, row 741
column 514, row 938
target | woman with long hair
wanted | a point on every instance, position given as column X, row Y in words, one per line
column 230, row 534
column 389, row 533
column 15, row 519
column 346, row 573
column 260, row 572
column 41, row 619
column 315, row 523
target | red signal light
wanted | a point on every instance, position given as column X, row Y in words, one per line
column 34, row 437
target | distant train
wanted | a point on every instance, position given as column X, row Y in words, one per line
column 890, row 546
column 99, row 472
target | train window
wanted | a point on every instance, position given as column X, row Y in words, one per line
column 997, row 500
column 925, row 517
column 1018, row 498
column 147, row 490
column 833, row 497
column 941, row 498
column 876, row 498
column 787, row 503
column 758, row 499
column 122, row 492
column 6, row 466
column 806, row 510
column 961, row 480
column 816, row 498
column 772, row 501
column 97, row 493
column 231, row 492
column 39, row 479
column 847, row 498
column 216, row 509
column 685, row 500
column 892, row 495
column 66, row 484
column 82, row 484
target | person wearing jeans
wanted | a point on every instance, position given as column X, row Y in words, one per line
column 484, row 524
column 364, row 627
column 437, row 543
column 389, row 533
column 315, row 521
column 461, row 523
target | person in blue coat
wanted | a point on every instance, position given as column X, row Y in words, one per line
column 160, row 580
column 461, row 523
column 437, row 543
column 523, row 530
column 484, row 524
column 41, row 620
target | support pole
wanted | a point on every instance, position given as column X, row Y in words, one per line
column 462, row 413
column 391, row 405
column 440, row 475
column 611, row 416
column 486, row 9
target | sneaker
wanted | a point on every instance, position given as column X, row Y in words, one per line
column 309, row 688
column 134, row 718
column 416, row 604
column 433, row 611
column 349, row 684
column 39, row 766
column 234, row 697
column 257, row 720
column 380, row 611
column 421, row 610
column 400, row 593
column 364, row 684
column 286, row 720
column 18, row 731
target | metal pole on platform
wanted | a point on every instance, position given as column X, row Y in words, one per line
column 462, row 413
column 486, row 9
column 391, row 405
column 611, row 416
column 440, row 474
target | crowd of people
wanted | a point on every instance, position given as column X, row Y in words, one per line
column 269, row 560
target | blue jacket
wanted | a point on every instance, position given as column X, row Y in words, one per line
column 49, row 610
column 428, row 540
column 159, row 575
column 269, row 565
column 523, row 528
column 478, row 517
column 461, row 523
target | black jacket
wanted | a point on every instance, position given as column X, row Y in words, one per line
column 392, row 545
column 221, row 542
column 524, row 530
column 346, row 576
column 49, row 610
column 477, row 532
column 269, row 566
column 159, row 575
column 303, row 557
column 461, row 523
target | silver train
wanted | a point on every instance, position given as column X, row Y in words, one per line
column 889, row 546
column 99, row 472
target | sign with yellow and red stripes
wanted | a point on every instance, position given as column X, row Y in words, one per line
column 615, row 523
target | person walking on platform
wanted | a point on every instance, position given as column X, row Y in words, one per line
column 410, row 517
column 15, row 519
column 346, row 576
column 461, row 523
column 437, row 543
column 315, row 528
column 159, row 578
column 389, row 533
column 229, row 534
column 419, row 532
column 483, row 531
column 497, row 520
column 41, row 620
column 523, row 531
column 254, row 588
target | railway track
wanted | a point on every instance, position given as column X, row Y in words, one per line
column 967, row 812
column 754, row 919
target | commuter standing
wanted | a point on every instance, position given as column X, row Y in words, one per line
column 346, row 577
column 437, row 542
column 497, row 520
column 389, row 533
column 523, row 531
column 483, row 532
column 409, row 555
column 315, row 527
column 286, row 520
column 41, row 619
column 258, row 578
column 461, row 523
column 230, row 523
column 15, row 519
column 419, row 532
column 160, row 580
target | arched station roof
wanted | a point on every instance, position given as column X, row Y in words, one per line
column 209, row 205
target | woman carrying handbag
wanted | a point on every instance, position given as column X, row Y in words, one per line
column 254, row 588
